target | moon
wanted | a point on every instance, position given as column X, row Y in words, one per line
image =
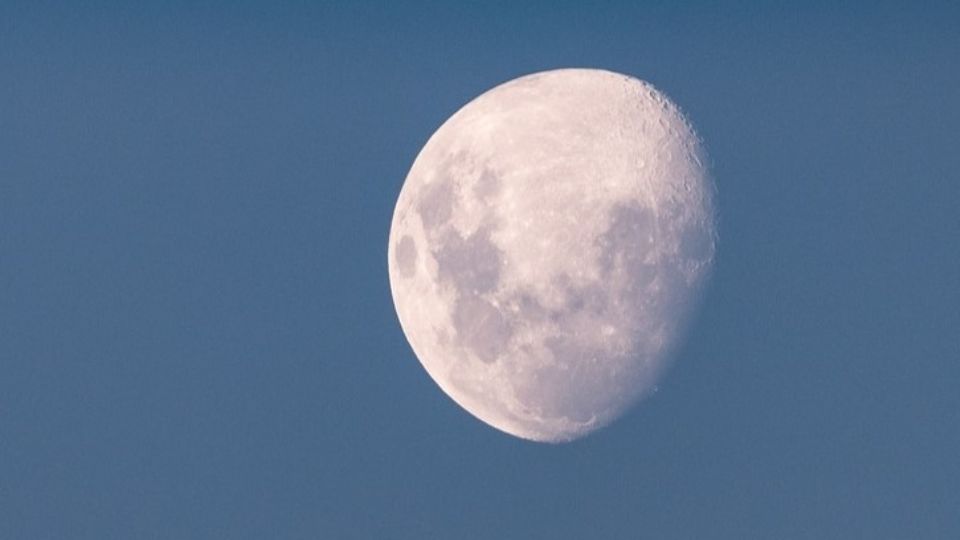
column 548, row 247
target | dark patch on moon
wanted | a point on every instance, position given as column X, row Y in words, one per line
column 406, row 257
column 481, row 327
column 487, row 186
column 471, row 264
column 590, row 298
column 436, row 203
column 627, row 243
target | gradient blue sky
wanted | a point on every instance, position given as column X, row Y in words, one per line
column 197, row 338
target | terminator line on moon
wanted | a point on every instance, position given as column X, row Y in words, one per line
column 547, row 247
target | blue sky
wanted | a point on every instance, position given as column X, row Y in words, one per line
column 197, row 338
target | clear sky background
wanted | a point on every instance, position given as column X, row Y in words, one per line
column 197, row 338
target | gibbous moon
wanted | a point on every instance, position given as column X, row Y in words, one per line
column 547, row 247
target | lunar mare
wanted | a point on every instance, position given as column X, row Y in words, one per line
column 547, row 247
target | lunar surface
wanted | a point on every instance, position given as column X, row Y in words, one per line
column 548, row 246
